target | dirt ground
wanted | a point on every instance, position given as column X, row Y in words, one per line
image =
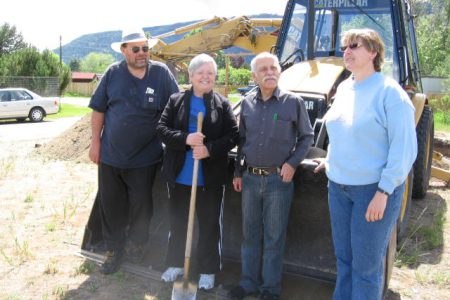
column 45, row 203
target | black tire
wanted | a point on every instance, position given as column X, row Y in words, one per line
column 37, row 114
column 422, row 165
column 402, row 221
column 21, row 119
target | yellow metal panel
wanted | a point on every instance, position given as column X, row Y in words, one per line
column 418, row 101
column 440, row 174
column 315, row 76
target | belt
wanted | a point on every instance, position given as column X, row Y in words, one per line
column 263, row 171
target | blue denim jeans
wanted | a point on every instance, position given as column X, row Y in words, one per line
column 266, row 201
column 360, row 246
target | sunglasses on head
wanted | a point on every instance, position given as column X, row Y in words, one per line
column 136, row 49
column 352, row 46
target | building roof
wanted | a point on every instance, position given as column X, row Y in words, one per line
column 83, row 76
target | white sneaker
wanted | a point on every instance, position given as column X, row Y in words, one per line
column 171, row 274
column 206, row 281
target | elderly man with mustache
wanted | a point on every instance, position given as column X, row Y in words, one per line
column 274, row 136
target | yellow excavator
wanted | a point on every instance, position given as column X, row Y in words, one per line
column 209, row 36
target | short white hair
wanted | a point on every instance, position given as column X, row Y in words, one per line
column 264, row 55
column 200, row 60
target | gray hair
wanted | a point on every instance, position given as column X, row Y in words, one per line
column 200, row 60
column 264, row 55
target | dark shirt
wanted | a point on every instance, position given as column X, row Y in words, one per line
column 219, row 127
column 132, row 108
column 273, row 132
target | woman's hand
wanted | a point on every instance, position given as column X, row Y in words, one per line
column 200, row 152
column 321, row 166
column 375, row 210
column 195, row 139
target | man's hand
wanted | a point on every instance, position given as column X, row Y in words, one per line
column 200, row 152
column 375, row 210
column 94, row 151
column 287, row 172
column 237, row 184
column 195, row 139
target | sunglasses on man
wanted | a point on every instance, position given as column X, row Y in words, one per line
column 352, row 46
column 136, row 49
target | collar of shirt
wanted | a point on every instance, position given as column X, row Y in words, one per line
column 276, row 94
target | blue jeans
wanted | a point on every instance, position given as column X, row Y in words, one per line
column 360, row 246
column 266, row 201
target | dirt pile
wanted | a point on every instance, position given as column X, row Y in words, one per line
column 73, row 144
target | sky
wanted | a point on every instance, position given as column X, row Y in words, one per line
column 43, row 22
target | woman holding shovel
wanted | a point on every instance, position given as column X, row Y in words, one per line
column 177, row 129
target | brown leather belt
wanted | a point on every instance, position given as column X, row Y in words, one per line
column 263, row 171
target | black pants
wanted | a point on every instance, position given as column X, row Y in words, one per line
column 209, row 215
column 126, row 204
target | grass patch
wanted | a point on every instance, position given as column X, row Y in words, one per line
column 51, row 268
column 85, row 267
column 72, row 94
column 6, row 166
column 425, row 238
column 432, row 235
column 69, row 110
column 440, row 122
column 29, row 198
column 59, row 291
column 234, row 98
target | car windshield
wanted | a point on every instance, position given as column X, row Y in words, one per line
column 331, row 19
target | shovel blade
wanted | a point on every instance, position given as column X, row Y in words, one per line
column 184, row 291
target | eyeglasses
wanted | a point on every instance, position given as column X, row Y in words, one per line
column 352, row 46
column 136, row 49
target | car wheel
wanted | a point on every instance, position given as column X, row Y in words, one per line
column 21, row 119
column 36, row 114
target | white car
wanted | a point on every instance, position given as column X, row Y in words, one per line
column 20, row 103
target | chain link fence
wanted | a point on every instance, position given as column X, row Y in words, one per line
column 43, row 86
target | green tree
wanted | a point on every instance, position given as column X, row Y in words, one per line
column 433, row 37
column 30, row 62
column 220, row 59
column 10, row 39
column 96, row 62
column 75, row 64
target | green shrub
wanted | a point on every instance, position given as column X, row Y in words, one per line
column 442, row 107
column 239, row 76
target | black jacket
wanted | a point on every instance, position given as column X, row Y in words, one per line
column 219, row 127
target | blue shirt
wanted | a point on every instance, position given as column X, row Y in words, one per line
column 132, row 108
column 372, row 133
column 185, row 176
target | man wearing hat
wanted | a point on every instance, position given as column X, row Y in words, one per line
column 126, row 107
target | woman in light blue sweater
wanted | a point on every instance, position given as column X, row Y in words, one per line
column 372, row 148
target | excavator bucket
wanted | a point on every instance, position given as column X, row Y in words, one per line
column 309, row 249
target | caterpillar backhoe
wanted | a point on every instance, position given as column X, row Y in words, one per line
column 307, row 45
column 252, row 35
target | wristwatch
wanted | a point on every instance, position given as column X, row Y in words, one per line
column 383, row 191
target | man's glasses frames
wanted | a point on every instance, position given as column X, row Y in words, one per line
column 136, row 49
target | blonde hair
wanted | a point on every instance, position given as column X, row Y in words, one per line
column 370, row 39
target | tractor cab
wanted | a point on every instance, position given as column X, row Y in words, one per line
column 310, row 52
